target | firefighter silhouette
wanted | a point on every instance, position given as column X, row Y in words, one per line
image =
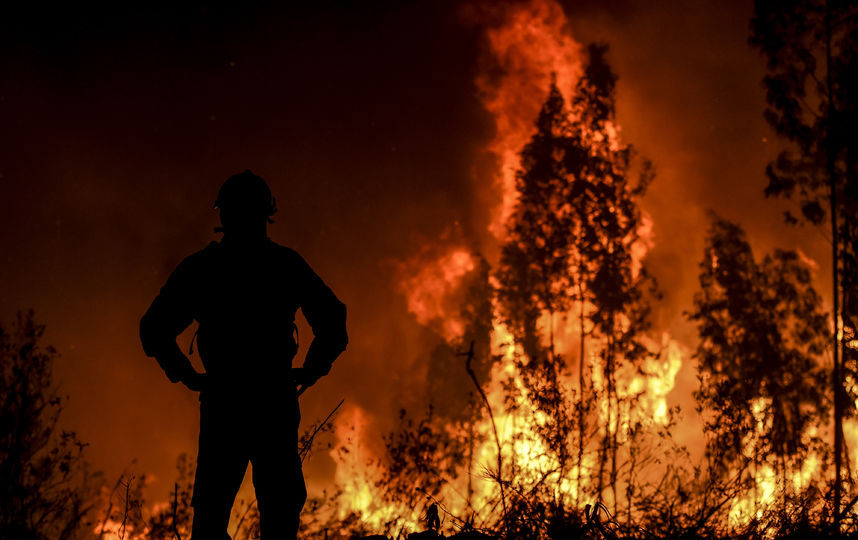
column 244, row 292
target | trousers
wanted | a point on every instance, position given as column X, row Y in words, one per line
column 233, row 433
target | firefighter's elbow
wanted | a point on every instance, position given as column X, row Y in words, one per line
column 148, row 335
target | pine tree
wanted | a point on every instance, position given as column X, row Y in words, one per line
column 534, row 269
column 570, row 242
column 762, row 335
column 534, row 274
column 619, row 288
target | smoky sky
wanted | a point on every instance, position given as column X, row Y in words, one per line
column 118, row 127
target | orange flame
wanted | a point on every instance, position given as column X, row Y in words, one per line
column 432, row 290
column 531, row 44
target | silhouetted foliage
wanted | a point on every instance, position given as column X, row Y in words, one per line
column 762, row 337
column 174, row 519
column 811, row 49
column 128, row 515
column 620, row 285
column 46, row 489
column 535, row 280
column 571, row 243
column 815, row 113
column 534, row 272
column 421, row 457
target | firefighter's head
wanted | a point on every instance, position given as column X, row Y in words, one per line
column 245, row 204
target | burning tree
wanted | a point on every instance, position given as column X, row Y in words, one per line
column 571, row 241
column 811, row 48
column 534, row 275
column 618, row 283
column 762, row 337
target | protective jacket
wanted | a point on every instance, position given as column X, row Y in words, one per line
column 244, row 294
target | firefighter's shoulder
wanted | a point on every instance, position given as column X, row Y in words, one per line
column 195, row 262
column 286, row 254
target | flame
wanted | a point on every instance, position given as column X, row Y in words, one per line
column 115, row 530
column 356, row 475
column 766, row 482
column 431, row 287
column 661, row 378
column 532, row 43
column 644, row 242
column 850, row 436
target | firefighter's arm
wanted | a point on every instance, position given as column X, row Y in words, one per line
column 168, row 316
column 327, row 317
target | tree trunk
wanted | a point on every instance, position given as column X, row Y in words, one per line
column 581, row 393
column 835, row 285
column 614, row 417
column 603, row 448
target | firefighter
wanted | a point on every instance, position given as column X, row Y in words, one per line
column 244, row 292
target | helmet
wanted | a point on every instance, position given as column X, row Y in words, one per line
column 246, row 194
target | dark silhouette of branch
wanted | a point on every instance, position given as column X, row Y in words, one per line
column 469, row 358
column 305, row 450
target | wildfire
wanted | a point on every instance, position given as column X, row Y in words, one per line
column 532, row 45
column 532, row 48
